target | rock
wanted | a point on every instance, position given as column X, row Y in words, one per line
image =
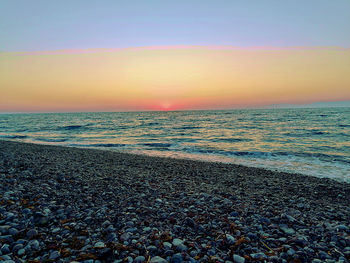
column 189, row 222
column 16, row 248
column 342, row 228
column 181, row 248
column 21, row 252
column 125, row 237
column 152, row 248
column 252, row 236
column 31, row 233
column 167, row 245
column 54, row 255
column 323, row 255
column 5, row 249
column 105, row 254
column 291, row 252
column 238, row 259
column 139, row 259
column 146, row 229
column 34, row 244
column 176, row 258
column 56, row 230
column 230, row 239
column 177, row 242
column 99, row 245
column 158, row 259
column 40, row 219
column 258, row 256
column 287, row 230
column 7, row 238
column 4, row 229
column 131, row 230
column 234, row 214
column 13, row 231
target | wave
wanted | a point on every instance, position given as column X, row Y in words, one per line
column 157, row 145
column 107, row 145
column 232, row 140
column 152, row 123
column 51, row 140
column 14, row 136
column 71, row 127
column 187, row 128
column 305, row 133
column 269, row 155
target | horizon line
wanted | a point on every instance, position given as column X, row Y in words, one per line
column 269, row 107
column 169, row 47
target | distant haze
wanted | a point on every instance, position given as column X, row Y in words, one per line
column 321, row 104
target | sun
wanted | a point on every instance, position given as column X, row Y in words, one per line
column 166, row 106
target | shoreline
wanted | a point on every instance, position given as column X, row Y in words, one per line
column 122, row 205
column 196, row 157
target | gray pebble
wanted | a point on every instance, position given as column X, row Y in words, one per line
column 238, row 259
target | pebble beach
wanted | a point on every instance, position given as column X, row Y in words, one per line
column 65, row 204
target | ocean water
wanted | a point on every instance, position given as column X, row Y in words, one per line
column 307, row 141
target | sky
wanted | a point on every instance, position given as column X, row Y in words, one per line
column 172, row 55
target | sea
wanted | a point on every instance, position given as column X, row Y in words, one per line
column 313, row 141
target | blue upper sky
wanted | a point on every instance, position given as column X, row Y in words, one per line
column 30, row 25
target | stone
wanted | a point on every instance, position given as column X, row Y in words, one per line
column 54, row 255
column 105, row 254
column 125, row 237
column 158, row 259
column 258, row 256
column 31, row 233
column 21, row 252
column 40, row 219
column 230, row 239
column 176, row 258
column 238, row 259
column 99, row 245
column 167, row 245
column 287, row 230
column 34, row 244
column 16, row 248
column 5, row 249
column 189, row 222
column 13, row 231
column 139, row 259
column 176, row 242
column 342, row 228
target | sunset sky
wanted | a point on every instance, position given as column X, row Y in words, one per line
column 172, row 55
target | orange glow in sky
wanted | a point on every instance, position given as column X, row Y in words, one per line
column 171, row 78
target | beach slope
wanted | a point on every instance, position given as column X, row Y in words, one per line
column 60, row 204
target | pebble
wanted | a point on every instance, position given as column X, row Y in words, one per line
column 96, row 208
column 287, row 230
column 176, row 258
column 31, row 233
column 139, row 259
column 21, row 252
column 54, row 255
column 158, row 259
column 238, row 259
column 177, row 242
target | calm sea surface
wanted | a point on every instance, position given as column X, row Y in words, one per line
column 308, row 141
